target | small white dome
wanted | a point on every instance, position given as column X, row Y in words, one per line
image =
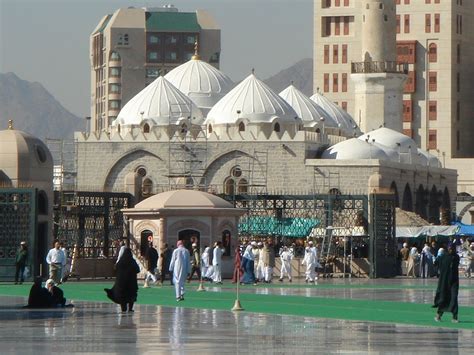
column 308, row 110
column 255, row 101
column 184, row 199
column 201, row 82
column 354, row 149
column 160, row 103
column 429, row 159
column 341, row 117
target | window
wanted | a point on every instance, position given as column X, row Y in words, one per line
column 337, row 26
column 114, row 56
column 147, row 187
column 432, row 81
column 152, row 73
column 335, row 82
column 344, row 82
column 458, row 140
column 406, row 20
column 209, row 128
column 458, row 111
column 153, row 56
column 427, row 23
column 337, row 3
column 171, row 39
column 437, row 23
column 122, row 39
column 406, row 51
column 146, row 128
column 458, row 54
column 344, row 53
column 327, row 26
column 114, row 88
column 115, row 72
column 326, row 54
column 335, row 54
column 346, row 2
column 326, row 82
column 433, row 53
column 398, row 23
column 407, row 111
column 171, row 56
column 276, row 128
column 154, row 39
column 241, row 127
column 458, row 82
column 344, row 105
column 407, row 2
column 410, row 84
column 346, row 25
column 114, row 104
column 433, row 110
column 432, row 139
column 190, row 39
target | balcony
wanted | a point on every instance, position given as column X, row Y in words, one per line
column 379, row 67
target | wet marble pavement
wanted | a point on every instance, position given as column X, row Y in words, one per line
column 99, row 328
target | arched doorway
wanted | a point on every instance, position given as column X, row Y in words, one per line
column 394, row 190
column 407, row 203
column 421, row 202
column 226, row 242
column 446, row 208
column 144, row 241
column 189, row 236
column 433, row 206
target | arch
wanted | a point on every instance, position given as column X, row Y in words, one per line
column 188, row 223
column 242, row 186
column 241, row 127
column 407, row 202
column 147, row 188
column 394, row 190
column 42, row 203
column 209, row 128
column 119, row 128
column 144, row 234
column 114, row 56
column 146, row 128
column 433, row 206
column 226, row 242
column 229, row 186
column 334, row 191
column 421, row 202
column 277, row 127
column 432, row 53
column 190, row 236
column 445, row 210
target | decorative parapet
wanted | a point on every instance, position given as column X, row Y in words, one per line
column 379, row 67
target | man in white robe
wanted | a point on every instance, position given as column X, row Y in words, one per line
column 205, row 263
column 310, row 262
column 259, row 264
column 180, row 266
column 285, row 256
column 217, row 263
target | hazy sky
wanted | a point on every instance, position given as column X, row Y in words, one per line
column 48, row 40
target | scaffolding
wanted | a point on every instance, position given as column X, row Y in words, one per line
column 64, row 156
column 187, row 161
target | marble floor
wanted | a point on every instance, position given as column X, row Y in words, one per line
column 100, row 328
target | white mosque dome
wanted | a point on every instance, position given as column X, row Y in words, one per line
column 354, row 149
column 342, row 118
column 254, row 101
column 308, row 110
column 201, row 82
column 160, row 103
column 429, row 159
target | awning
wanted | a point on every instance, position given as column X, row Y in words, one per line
column 426, row 231
column 296, row 227
column 465, row 229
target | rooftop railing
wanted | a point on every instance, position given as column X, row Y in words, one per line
column 379, row 67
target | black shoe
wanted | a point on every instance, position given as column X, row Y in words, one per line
column 281, row 280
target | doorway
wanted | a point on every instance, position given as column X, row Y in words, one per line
column 144, row 235
column 189, row 236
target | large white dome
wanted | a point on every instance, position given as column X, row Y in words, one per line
column 201, row 82
column 354, row 149
column 308, row 110
column 343, row 119
column 254, row 101
column 160, row 103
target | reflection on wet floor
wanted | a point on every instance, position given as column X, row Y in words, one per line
column 100, row 328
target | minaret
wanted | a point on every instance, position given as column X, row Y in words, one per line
column 378, row 78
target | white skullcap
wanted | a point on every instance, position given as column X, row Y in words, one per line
column 194, row 245
column 405, row 245
column 253, row 243
column 49, row 281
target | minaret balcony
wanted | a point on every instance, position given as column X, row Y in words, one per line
column 379, row 67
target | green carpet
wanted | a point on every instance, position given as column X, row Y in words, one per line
column 319, row 307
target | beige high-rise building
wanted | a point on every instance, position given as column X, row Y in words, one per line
column 132, row 47
column 436, row 39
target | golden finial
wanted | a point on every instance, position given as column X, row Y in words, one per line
column 10, row 124
column 196, row 51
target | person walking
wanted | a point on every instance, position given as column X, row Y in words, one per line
column 217, row 263
column 195, row 263
column 268, row 255
column 125, row 289
column 180, row 268
column 470, row 261
column 413, row 256
column 310, row 261
column 205, row 262
column 426, row 262
column 248, row 263
column 446, row 297
column 56, row 261
column 20, row 263
column 165, row 257
column 237, row 274
column 285, row 256
column 151, row 257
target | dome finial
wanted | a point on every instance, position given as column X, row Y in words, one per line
column 253, row 71
column 196, row 51
column 10, row 124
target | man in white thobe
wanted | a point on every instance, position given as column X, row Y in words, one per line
column 314, row 250
column 205, row 263
column 285, row 256
column 310, row 262
column 180, row 266
column 56, row 261
column 217, row 263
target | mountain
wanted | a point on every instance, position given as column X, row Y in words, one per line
column 34, row 110
column 301, row 74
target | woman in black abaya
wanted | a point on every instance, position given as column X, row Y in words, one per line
column 124, row 291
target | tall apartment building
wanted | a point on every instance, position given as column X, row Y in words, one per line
column 436, row 39
column 132, row 47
